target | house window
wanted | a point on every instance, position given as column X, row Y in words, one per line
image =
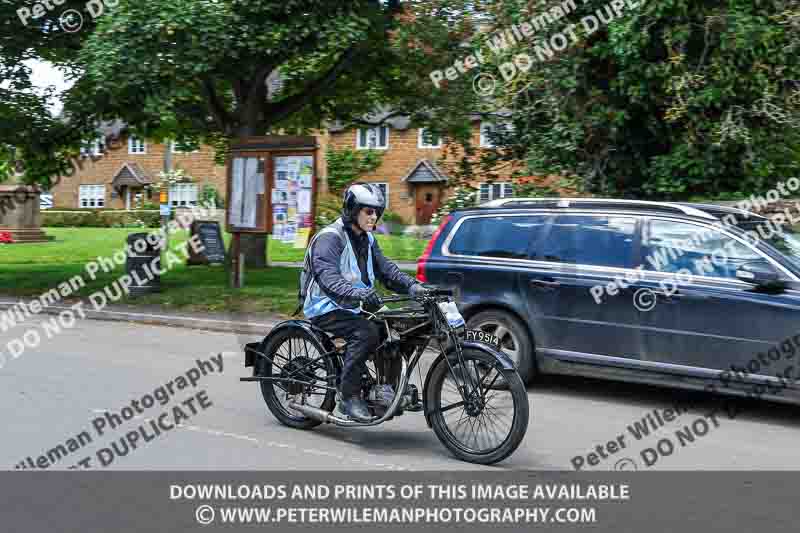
column 373, row 138
column 493, row 191
column 92, row 196
column 93, row 148
column 183, row 194
column 136, row 146
column 428, row 140
column 489, row 128
column 184, row 147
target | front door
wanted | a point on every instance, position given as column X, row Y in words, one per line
column 427, row 203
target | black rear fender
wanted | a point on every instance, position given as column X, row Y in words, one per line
column 301, row 328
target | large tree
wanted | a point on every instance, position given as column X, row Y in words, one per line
column 217, row 70
column 673, row 99
column 29, row 131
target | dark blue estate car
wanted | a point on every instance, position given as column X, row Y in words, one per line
column 557, row 281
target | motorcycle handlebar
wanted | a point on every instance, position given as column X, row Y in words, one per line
column 431, row 292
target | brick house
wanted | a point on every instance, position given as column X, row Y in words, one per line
column 412, row 174
column 113, row 172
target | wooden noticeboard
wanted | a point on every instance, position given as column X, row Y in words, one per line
column 272, row 189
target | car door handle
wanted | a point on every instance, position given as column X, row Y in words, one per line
column 545, row 284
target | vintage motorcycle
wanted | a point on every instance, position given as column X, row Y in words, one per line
column 472, row 397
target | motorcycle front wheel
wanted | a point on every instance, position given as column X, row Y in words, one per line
column 478, row 409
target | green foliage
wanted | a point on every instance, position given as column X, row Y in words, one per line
column 210, row 194
column 463, row 196
column 346, row 166
column 674, row 99
column 390, row 216
column 329, row 208
column 100, row 219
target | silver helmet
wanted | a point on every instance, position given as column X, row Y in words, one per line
column 358, row 196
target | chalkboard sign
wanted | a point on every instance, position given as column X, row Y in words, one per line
column 210, row 234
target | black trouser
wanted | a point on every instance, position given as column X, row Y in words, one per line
column 362, row 337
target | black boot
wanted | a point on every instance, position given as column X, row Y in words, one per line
column 356, row 408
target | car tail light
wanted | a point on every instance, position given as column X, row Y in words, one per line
column 427, row 253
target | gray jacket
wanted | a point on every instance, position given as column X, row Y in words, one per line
column 326, row 253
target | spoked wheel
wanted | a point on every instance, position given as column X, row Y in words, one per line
column 298, row 357
column 478, row 409
column 514, row 339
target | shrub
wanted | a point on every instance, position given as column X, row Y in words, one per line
column 329, row 208
column 211, row 194
column 463, row 196
column 390, row 216
column 100, row 219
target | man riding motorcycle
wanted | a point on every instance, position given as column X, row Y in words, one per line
column 345, row 262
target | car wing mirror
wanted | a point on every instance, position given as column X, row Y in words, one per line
column 760, row 274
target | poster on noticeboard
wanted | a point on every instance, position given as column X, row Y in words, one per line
column 292, row 199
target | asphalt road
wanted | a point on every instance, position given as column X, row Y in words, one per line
column 53, row 393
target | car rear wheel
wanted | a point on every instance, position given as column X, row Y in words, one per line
column 514, row 338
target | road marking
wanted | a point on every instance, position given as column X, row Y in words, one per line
column 273, row 444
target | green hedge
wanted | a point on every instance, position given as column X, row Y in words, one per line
column 93, row 218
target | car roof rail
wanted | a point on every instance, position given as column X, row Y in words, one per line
column 605, row 202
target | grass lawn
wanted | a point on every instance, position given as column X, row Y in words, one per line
column 80, row 245
column 31, row 269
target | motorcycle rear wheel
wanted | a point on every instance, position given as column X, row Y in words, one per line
column 297, row 355
column 491, row 425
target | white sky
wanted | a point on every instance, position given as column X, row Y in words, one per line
column 45, row 74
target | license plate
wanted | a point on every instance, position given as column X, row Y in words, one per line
column 481, row 336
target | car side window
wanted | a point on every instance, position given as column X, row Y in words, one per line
column 597, row 240
column 672, row 246
column 503, row 236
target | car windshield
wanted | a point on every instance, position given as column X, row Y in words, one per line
column 786, row 241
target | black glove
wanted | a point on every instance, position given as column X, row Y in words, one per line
column 418, row 291
column 371, row 301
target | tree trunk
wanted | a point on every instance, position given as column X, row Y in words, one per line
column 254, row 248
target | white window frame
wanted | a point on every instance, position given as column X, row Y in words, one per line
column 94, row 148
column 506, row 191
column 137, row 146
column 174, row 148
column 376, row 130
column 423, row 145
column 183, row 194
column 487, row 125
column 92, row 196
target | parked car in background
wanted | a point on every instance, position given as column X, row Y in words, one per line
column 528, row 271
